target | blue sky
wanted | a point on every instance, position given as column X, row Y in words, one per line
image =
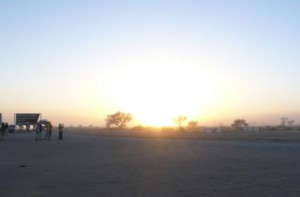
column 73, row 60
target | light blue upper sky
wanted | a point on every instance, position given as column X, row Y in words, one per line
column 58, row 53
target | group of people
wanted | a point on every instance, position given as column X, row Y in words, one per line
column 4, row 128
column 47, row 127
column 40, row 127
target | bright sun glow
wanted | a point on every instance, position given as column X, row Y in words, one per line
column 155, row 95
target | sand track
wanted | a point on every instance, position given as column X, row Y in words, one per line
column 93, row 165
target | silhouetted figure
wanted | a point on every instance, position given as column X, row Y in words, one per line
column 6, row 128
column 60, row 131
column 27, row 126
column 2, row 130
column 38, row 131
column 49, row 130
column 46, row 128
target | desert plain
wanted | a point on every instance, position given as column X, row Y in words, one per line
column 91, row 162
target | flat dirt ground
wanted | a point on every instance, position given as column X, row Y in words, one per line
column 97, row 165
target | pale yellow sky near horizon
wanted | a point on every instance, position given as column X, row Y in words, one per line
column 213, row 61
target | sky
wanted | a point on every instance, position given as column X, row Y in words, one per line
column 213, row 61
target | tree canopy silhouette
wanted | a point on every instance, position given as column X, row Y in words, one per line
column 179, row 121
column 238, row 124
column 118, row 119
column 283, row 121
column 192, row 124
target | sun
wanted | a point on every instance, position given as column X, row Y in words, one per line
column 155, row 95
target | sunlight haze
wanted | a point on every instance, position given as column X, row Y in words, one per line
column 213, row 61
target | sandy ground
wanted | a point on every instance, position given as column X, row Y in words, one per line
column 95, row 165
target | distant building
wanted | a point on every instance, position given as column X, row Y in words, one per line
column 26, row 121
column 208, row 130
column 251, row 129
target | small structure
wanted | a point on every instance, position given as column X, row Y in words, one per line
column 28, row 120
column 208, row 130
column 251, row 129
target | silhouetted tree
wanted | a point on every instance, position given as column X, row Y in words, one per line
column 291, row 123
column 192, row 124
column 238, row 124
column 118, row 119
column 283, row 121
column 179, row 120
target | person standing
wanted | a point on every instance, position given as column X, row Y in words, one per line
column 2, row 130
column 6, row 128
column 50, row 127
column 38, row 131
column 60, row 131
column 46, row 128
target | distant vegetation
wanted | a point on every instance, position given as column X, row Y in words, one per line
column 238, row 124
column 192, row 124
column 287, row 122
column 179, row 121
column 119, row 120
